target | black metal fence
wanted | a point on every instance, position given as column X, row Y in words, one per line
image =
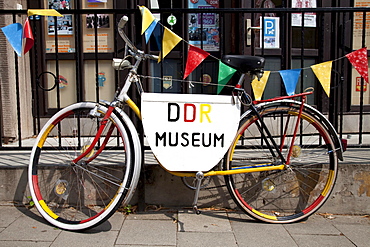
column 336, row 32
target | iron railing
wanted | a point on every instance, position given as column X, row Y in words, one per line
column 333, row 39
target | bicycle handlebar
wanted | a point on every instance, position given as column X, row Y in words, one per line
column 121, row 25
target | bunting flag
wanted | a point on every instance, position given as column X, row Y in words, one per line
column 158, row 35
column 195, row 57
column 27, row 36
column 359, row 60
column 224, row 75
column 14, row 35
column 150, row 29
column 323, row 74
column 165, row 38
column 258, row 86
column 290, row 79
column 147, row 18
column 170, row 40
column 46, row 12
column 20, row 37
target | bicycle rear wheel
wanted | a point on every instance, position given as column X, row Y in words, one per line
column 282, row 196
column 76, row 196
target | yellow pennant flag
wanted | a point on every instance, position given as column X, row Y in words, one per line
column 147, row 17
column 170, row 40
column 323, row 74
column 47, row 12
column 259, row 85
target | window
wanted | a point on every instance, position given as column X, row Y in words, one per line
column 96, row 76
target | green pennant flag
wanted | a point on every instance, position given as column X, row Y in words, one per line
column 224, row 75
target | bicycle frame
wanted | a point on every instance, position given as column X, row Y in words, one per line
column 274, row 149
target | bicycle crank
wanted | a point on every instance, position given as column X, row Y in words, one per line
column 199, row 177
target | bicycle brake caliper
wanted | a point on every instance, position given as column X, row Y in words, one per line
column 94, row 112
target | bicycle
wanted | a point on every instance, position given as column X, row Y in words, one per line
column 279, row 167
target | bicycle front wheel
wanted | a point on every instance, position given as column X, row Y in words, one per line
column 81, row 195
column 292, row 194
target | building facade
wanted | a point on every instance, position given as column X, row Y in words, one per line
column 71, row 58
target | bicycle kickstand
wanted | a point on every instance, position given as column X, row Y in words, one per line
column 199, row 176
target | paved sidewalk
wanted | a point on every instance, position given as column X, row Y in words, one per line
column 181, row 227
column 20, row 158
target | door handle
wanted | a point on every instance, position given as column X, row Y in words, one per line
column 248, row 31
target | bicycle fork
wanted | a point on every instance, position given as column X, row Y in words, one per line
column 102, row 126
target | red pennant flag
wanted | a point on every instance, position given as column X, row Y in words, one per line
column 28, row 35
column 359, row 60
column 195, row 57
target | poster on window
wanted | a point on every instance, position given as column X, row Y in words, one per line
column 98, row 21
column 309, row 18
column 59, row 4
column 63, row 46
column 204, row 27
column 62, row 27
column 358, row 25
column 90, row 45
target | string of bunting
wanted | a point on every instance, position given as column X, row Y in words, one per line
column 20, row 36
column 167, row 40
column 21, row 39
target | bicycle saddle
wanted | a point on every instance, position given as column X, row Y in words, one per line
column 244, row 63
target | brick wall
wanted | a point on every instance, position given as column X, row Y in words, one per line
column 8, row 105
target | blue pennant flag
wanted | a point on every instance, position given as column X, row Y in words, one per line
column 158, row 35
column 290, row 79
column 14, row 33
column 150, row 30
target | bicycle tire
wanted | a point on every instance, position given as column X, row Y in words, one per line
column 282, row 196
column 83, row 195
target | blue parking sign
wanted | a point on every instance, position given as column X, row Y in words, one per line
column 270, row 36
column 270, row 27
